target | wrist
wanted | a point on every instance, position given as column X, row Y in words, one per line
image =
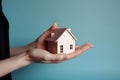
column 25, row 59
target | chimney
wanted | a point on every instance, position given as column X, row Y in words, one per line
column 52, row 34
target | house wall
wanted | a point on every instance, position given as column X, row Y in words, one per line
column 66, row 40
column 52, row 47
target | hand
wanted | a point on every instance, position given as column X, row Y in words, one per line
column 40, row 54
column 43, row 56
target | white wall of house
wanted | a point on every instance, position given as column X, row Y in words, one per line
column 66, row 40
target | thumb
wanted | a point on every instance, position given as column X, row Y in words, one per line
column 53, row 27
column 47, row 33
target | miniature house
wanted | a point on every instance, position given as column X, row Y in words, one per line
column 61, row 40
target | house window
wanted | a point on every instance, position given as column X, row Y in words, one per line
column 61, row 48
column 71, row 46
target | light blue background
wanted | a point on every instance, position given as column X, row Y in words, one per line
column 96, row 21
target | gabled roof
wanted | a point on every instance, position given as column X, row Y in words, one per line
column 58, row 32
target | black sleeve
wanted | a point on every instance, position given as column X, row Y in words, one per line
column 4, row 41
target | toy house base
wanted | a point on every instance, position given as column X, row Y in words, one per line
column 61, row 40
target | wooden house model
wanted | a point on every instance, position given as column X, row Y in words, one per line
column 61, row 40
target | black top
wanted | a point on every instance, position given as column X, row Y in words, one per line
column 0, row 4
column 4, row 40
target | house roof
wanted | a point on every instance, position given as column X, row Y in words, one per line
column 58, row 32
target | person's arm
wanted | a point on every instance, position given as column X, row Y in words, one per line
column 13, row 63
column 19, row 50
column 39, row 56
column 36, row 52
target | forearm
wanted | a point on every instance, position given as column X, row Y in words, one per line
column 14, row 63
column 16, row 51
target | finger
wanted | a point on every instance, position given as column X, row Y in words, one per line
column 53, row 27
column 47, row 33
column 53, row 58
column 46, row 62
column 57, row 57
column 80, row 50
column 76, row 46
column 47, row 56
column 50, row 62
